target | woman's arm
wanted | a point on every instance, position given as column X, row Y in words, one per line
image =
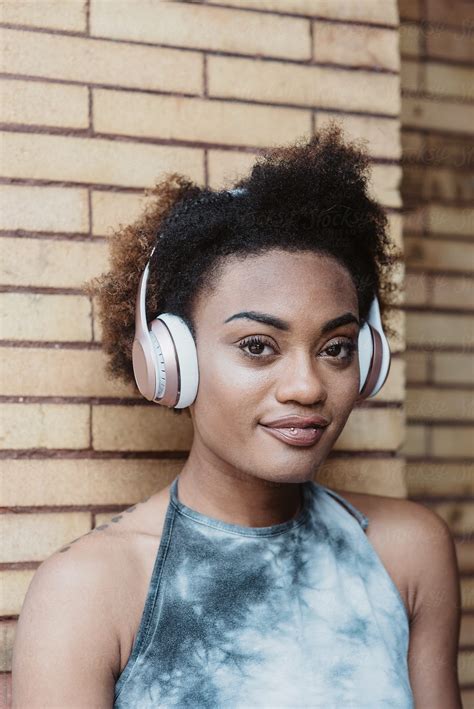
column 436, row 616
column 66, row 652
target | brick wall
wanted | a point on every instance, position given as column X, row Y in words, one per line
column 97, row 105
column 437, row 190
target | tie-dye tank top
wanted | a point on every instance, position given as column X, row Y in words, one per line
column 297, row 614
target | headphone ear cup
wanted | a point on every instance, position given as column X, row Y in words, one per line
column 164, row 355
column 374, row 354
column 144, row 364
column 365, row 347
column 181, row 370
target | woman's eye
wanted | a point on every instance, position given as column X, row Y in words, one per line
column 335, row 349
column 256, row 346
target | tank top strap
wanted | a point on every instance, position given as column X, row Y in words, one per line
column 358, row 514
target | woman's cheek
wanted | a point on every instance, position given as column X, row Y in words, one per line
column 219, row 383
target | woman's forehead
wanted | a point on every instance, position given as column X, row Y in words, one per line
column 281, row 266
column 289, row 285
column 282, row 274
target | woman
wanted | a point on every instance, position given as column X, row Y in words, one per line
column 245, row 583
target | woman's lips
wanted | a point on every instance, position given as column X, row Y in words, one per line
column 296, row 436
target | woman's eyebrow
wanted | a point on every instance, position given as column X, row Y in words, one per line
column 273, row 321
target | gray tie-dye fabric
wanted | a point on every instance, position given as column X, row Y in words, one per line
column 298, row 614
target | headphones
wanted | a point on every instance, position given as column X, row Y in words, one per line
column 165, row 361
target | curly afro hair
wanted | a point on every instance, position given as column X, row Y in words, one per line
column 309, row 195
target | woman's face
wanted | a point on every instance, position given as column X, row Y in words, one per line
column 252, row 372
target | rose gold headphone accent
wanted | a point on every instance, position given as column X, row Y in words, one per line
column 145, row 354
column 162, row 334
column 375, row 363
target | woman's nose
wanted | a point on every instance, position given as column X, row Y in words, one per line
column 300, row 380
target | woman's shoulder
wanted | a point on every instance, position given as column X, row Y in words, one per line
column 399, row 529
column 143, row 519
column 105, row 574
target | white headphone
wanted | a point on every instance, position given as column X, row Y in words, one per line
column 165, row 361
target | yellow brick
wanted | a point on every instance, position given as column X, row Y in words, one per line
column 323, row 87
column 384, row 13
column 449, row 44
column 31, row 102
column 467, row 628
column 458, row 515
column 395, row 229
column 7, row 636
column 410, row 39
column 343, row 10
column 438, row 330
column 55, row 263
column 372, row 429
column 453, row 442
column 296, row 7
column 110, row 209
column 415, row 442
column 375, row 476
column 467, row 698
column 396, row 320
column 414, row 188
column 13, row 586
column 96, row 321
column 356, row 45
column 394, row 387
column 126, row 164
column 409, row 9
column 466, row 668
column 382, row 134
column 413, row 217
column 437, row 115
column 450, row 150
column 436, row 254
column 467, row 592
column 453, row 368
column 195, row 119
column 55, row 14
column 55, row 209
column 227, row 167
column 446, row 80
column 34, row 482
column 103, row 518
column 34, row 316
column 100, row 62
column 410, row 76
column 202, row 27
column 398, row 278
column 6, row 688
column 429, row 403
column 29, row 426
column 453, row 292
column 416, row 291
column 440, row 478
column 465, row 554
column 439, row 184
column 417, row 367
column 458, row 221
column 456, row 12
column 384, row 184
column 139, row 428
column 53, row 372
column 34, row 536
column 412, row 145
